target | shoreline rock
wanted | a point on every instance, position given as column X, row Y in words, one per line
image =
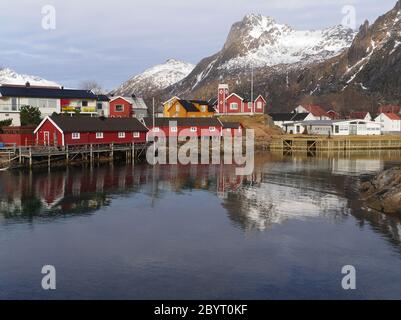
column 383, row 192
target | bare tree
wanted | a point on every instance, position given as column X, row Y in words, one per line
column 92, row 85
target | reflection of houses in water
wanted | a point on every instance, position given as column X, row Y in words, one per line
column 356, row 166
column 280, row 198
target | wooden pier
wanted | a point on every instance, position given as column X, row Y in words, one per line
column 12, row 156
column 308, row 143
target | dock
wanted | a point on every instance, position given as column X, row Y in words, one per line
column 311, row 143
column 30, row 156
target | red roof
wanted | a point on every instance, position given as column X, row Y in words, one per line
column 390, row 109
column 317, row 111
column 393, row 116
column 358, row 115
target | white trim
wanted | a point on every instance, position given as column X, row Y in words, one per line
column 77, row 135
column 261, row 97
column 175, row 97
column 43, row 121
column 121, row 135
column 119, row 97
column 234, row 94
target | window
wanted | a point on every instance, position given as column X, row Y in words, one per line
column 84, row 103
column 76, row 136
column 156, row 129
column 194, row 129
column 14, row 104
column 259, row 105
column 212, row 129
column 234, row 106
column 337, row 129
column 250, row 105
column 99, row 135
column 119, row 108
column 137, row 134
column 99, row 106
column 121, row 135
column 174, row 129
column 177, row 108
column 228, row 130
column 203, row 108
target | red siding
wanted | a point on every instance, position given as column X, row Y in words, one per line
column 127, row 109
column 257, row 109
column 49, row 130
column 22, row 139
column 201, row 131
column 234, row 99
column 48, row 134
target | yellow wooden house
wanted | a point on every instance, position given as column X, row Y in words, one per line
column 179, row 108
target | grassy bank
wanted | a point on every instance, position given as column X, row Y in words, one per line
column 263, row 126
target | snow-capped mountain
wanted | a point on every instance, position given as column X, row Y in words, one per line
column 260, row 41
column 267, row 46
column 156, row 78
column 8, row 76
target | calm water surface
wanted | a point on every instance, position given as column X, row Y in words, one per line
column 199, row 232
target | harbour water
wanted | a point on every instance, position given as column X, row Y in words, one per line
column 199, row 232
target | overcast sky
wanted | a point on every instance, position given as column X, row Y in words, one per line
column 112, row 40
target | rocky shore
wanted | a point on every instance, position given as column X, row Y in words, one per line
column 383, row 192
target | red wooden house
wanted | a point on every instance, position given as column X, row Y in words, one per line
column 17, row 136
column 194, row 127
column 239, row 104
column 62, row 130
column 232, row 129
column 120, row 107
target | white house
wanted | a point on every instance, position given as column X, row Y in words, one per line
column 317, row 112
column 390, row 122
column 335, row 127
column 363, row 115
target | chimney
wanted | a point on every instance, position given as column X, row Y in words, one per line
column 27, row 84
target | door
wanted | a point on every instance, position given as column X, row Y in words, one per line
column 46, row 138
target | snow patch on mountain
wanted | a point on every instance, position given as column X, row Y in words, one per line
column 269, row 43
column 10, row 77
column 159, row 76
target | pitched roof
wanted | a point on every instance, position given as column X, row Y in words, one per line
column 137, row 103
column 51, row 93
column 358, row 115
column 393, row 116
column 188, row 105
column 230, row 125
column 317, row 111
column 281, row 116
column 103, row 97
column 213, row 101
column 299, row 116
column 183, row 122
column 95, row 124
column 288, row 116
column 389, row 109
column 204, row 103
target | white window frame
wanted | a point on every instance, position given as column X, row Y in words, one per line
column 194, row 129
column 75, row 136
column 212, row 129
column 99, row 135
column 121, row 135
column 119, row 105
column 136, row 134
column 259, row 105
column 156, row 129
column 173, row 129
column 232, row 104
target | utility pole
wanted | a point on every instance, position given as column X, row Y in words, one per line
column 253, row 109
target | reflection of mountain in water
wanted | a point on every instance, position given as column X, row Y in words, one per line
column 281, row 189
